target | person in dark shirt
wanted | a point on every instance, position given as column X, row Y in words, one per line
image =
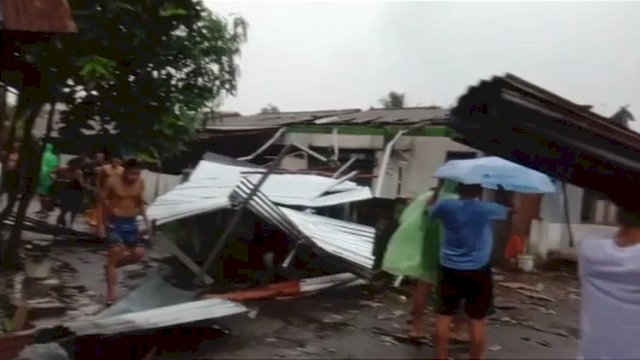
column 70, row 182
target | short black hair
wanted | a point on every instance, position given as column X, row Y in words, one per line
column 469, row 190
column 131, row 164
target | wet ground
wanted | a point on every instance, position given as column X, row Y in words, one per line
column 537, row 316
column 353, row 324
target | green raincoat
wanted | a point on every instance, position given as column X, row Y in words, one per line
column 49, row 163
column 414, row 248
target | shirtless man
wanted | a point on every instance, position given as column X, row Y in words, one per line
column 123, row 199
column 105, row 172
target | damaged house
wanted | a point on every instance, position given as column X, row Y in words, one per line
column 282, row 223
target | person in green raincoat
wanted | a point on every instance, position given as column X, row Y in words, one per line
column 45, row 182
column 414, row 250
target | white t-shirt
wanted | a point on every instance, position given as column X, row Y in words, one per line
column 610, row 316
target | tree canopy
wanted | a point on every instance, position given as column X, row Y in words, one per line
column 393, row 100
column 145, row 69
column 270, row 109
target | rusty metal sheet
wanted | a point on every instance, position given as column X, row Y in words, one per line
column 46, row 16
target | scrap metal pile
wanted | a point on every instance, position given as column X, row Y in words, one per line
column 522, row 122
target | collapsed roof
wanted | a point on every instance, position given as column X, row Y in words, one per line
column 210, row 186
column 215, row 186
column 522, row 122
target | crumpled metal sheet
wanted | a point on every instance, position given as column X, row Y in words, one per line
column 158, row 318
column 153, row 293
column 49, row 351
column 211, row 185
column 348, row 245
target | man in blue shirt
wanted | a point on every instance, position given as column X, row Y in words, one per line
column 465, row 272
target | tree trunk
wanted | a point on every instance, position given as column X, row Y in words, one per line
column 29, row 170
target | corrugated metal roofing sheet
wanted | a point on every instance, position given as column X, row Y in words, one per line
column 403, row 116
column 520, row 121
column 282, row 118
column 348, row 245
column 46, row 16
column 158, row 317
column 211, row 184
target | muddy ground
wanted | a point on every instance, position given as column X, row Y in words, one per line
column 539, row 320
column 354, row 324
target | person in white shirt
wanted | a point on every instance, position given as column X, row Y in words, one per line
column 610, row 278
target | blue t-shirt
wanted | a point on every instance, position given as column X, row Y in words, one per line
column 468, row 232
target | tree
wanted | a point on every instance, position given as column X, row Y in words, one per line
column 393, row 100
column 144, row 68
column 269, row 109
column 153, row 66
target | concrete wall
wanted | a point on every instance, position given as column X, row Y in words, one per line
column 546, row 236
column 294, row 163
column 327, row 140
column 422, row 155
column 552, row 207
column 427, row 154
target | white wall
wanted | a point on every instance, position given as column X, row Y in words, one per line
column 293, row 163
column 427, row 155
column 552, row 206
column 327, row 140
column 546, row 236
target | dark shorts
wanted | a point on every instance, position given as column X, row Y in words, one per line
column 123, row 231
column 475, row 287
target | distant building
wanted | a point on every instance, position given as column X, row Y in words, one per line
column 414, row 141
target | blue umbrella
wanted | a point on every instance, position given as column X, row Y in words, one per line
column 492, row 172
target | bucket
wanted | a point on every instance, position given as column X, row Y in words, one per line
column 525, row 263
column 37, row 267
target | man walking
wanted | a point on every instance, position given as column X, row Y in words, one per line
column 465, row 271
column 112, row 169
column 123, row 200
column 610, row 278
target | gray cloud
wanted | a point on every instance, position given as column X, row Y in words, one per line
column 306, row 55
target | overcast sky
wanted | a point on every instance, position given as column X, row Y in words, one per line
column 331, row 55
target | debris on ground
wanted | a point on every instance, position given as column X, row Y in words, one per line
column 333, row 319
column 402, row 337
column 520, row 286
column 369, row 303
column 543, row 343
column 50, row 351
column 535, row 295
column 495, row 348
column 252, row 314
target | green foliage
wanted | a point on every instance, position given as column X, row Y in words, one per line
column 148, row 67
column 270, row 109
column 393, row 100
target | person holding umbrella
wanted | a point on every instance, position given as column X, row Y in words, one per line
column 465, row 269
